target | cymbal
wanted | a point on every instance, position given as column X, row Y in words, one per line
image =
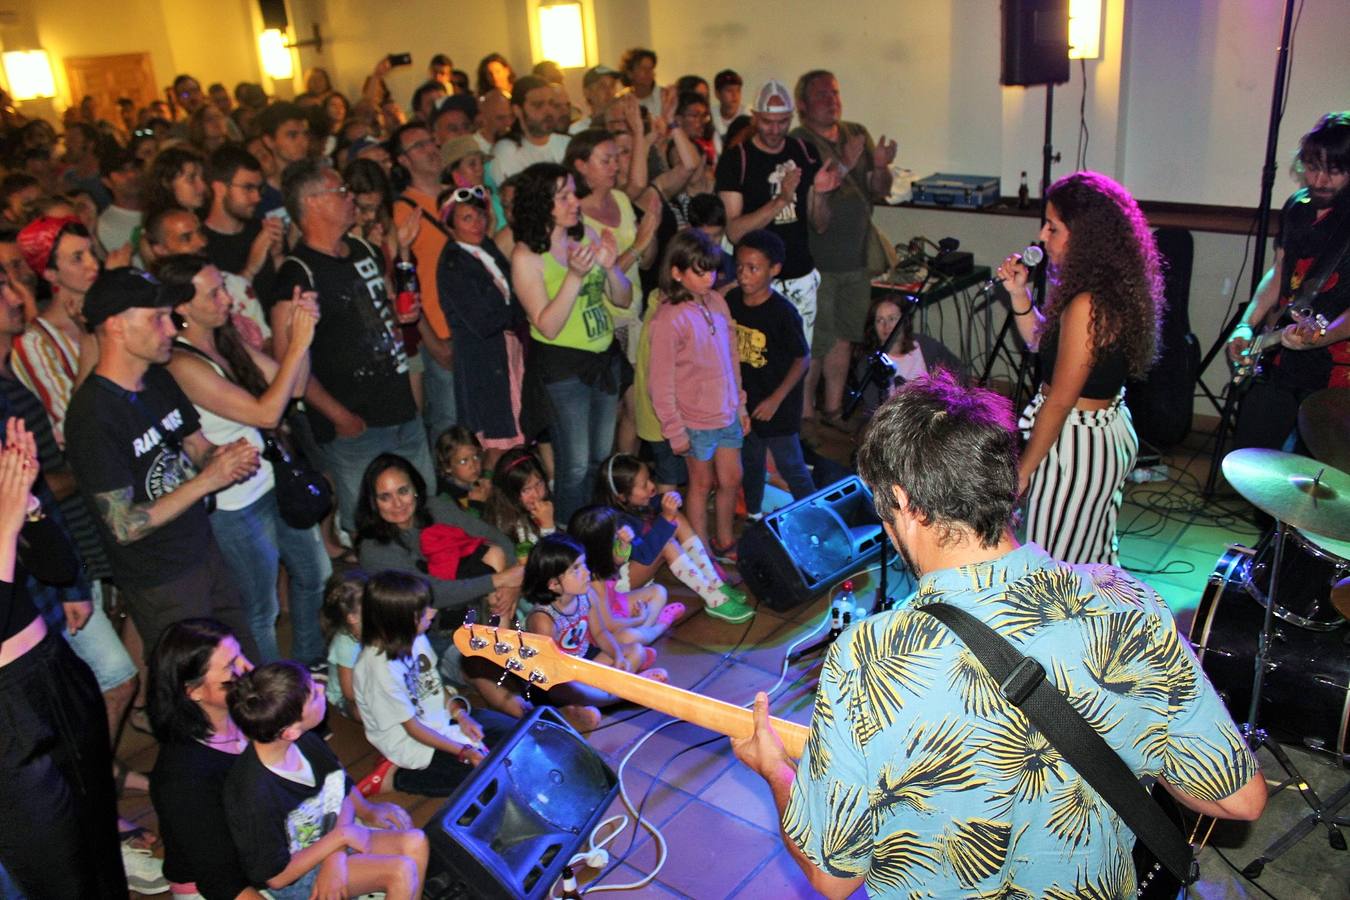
column 1305, row 493
column 1324, row 424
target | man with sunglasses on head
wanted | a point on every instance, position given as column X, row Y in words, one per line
column 414, row 148
column 359, row 400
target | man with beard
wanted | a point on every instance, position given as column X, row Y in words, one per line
column 917, row 769
column 140, row 459
column 1314, row 232
column 238, row 240
column 534, row 138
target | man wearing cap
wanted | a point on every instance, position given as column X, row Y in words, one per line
column 142, row 464
column 840, row 251
column 727, row 87
column 413, row 147
column 47, row 356
column 121, row 173
column 453, row 117
column 774, row 182
column 599, row 86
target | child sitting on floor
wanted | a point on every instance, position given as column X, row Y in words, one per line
column 521, row 505
column 633, row 612
column 291, row 808
column 340, row 622
column 459, row 469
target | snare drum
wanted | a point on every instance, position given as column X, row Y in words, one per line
column 1311, row 571
column 1305, row 698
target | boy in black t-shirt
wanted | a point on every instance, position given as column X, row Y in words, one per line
column 774, row 358
column 292, row 809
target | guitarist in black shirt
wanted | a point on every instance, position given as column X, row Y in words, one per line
column 1305, row 294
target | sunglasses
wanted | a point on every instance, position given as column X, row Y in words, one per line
column 469, row 193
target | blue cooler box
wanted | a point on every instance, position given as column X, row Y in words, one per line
column 958, row 191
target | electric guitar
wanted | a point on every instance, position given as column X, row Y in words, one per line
column 1253, row 359
column 540, row 662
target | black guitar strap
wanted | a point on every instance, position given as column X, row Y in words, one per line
column 1327, row 261
column 1022, row 683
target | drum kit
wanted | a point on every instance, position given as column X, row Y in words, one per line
column 1273, row 628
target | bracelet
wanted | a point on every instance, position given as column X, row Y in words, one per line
column 1026, row 312
column 463, row 749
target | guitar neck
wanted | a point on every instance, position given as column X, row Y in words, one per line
column 706, row 712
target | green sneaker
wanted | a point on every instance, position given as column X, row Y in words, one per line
column 735, row 595
column 730, row 610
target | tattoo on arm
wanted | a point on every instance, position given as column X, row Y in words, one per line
column 128, row 521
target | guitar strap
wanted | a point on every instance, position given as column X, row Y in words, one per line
column 1327, row 261
column 1022, row 683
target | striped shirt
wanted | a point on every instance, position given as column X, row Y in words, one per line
column 45, row 359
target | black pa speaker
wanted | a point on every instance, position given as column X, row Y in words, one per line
column 510, row 828
column 794, row 553
column 1035, row 42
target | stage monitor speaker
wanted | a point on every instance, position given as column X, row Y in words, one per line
column 1035, row 42
column 796, row 552
column 510, row 828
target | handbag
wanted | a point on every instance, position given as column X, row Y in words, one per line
column 1022, row 683
column 304, row 495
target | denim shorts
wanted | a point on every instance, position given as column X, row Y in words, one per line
column 101, row 649
column 300, row 888
column 704, row 441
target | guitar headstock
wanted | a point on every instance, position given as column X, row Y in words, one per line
column 534, row 657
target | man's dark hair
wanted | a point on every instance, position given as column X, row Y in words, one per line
column 1328, row 143
column 270, row 120
column 464, row 103
column 524, row 84
column 154, row 222
column 726, row 78
column 114, row 158
column 179, row 79
column 440, row 59
column 227, row 160
column 268, row 700
column 548, row 70
column 426, row 87
column 707, row 210
column 460, row 79
column 691, row 83
column 631, row 57
column 804, row 84
column 766, row 242
column 366, row 176
column 686, row 99
column 89, row 131
column 953, row 450
column 15, row 182
column 298, row 178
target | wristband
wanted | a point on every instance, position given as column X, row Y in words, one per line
column 1025, row 312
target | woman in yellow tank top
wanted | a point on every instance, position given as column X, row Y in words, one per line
column 568, row 278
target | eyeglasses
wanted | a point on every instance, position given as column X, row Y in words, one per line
column 467, row 193
column 418, row 145
column 341, row 190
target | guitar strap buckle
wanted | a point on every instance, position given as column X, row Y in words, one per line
column 1021, row 681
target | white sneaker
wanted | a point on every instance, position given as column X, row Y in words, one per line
column 145, row 871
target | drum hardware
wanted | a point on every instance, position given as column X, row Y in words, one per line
column 1280, row 485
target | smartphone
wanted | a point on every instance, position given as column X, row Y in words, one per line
column 400, row 59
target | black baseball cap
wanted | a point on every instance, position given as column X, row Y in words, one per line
column 118, row 290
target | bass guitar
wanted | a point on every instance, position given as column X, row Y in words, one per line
column 538, row 660
column 1253, row 360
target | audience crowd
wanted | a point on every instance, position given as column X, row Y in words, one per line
column 501, row 331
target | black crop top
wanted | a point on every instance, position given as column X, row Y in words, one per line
column 17, row 611
column 1105, row 379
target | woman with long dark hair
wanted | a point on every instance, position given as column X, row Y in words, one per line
column 194, row 663
column 176, row 178
column 494, row 72
column 237, row 391
column 568, row 279
column 1098, row 326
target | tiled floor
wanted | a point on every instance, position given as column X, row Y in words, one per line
column 718, row 820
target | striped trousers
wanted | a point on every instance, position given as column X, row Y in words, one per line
column 1075, row 494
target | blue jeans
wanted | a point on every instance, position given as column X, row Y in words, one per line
column 253, row 540
column 438, row 398
column 787, row 453
column 346, row 460
column 583, row 435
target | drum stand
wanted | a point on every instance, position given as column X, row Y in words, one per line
column 1323, row 812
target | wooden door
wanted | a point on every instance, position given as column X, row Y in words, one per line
column 106, row 78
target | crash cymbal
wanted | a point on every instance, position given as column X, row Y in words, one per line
column 1324, row 425
column 1305, row 493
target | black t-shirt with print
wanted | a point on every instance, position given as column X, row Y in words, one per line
column 272, row 818
column 1305, row 238
column 357, row 354
column 769, row 339
column 756, row 175
column 230, row 254
column 117, row 438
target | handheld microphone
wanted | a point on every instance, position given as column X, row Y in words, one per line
column 1031, row 258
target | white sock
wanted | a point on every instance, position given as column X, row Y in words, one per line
column 693, row 545
column 684, row 569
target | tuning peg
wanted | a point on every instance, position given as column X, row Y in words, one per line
column 514, row 665
column 525, row 651
column 500, row 647
column 538, row 677
column 470, row 617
